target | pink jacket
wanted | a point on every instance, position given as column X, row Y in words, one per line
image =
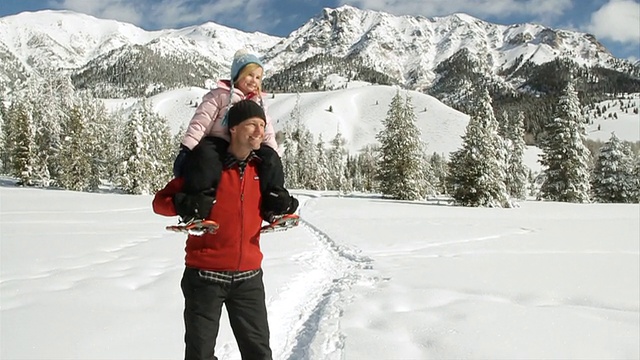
column 207, row 121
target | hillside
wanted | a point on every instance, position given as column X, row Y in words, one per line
column 357, row 112
column 359, row 109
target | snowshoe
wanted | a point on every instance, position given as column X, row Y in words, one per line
column 281, row 223
column 197, row 227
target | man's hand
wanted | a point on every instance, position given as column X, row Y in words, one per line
column 278, row 202
column 191, row 207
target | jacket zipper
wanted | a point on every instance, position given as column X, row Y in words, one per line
column 241, row 216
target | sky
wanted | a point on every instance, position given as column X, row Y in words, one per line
column 615, row 23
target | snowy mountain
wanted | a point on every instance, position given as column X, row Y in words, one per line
column 409, row 49
column 69, row 40
column 101, row 53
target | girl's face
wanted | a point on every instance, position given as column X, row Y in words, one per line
column 250, row 80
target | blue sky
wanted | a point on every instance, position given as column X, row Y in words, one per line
column 616, row 23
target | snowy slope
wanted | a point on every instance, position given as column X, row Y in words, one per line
column 627, row 124
column 358, row 118
column 95, row 276
column 355, row 113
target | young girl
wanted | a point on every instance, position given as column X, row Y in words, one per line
column 207, row 137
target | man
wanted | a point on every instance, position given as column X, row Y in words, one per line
column 225, row 267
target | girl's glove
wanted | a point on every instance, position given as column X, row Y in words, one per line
column 180, row 160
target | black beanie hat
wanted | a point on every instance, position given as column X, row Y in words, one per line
column 243, row 110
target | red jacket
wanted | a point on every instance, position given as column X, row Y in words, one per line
column 236, row 244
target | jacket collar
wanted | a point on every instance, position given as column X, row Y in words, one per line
column 230, row 160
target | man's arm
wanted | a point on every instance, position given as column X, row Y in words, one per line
column 163, row 200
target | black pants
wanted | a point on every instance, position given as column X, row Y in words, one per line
column 245, row 303
column 203, row 167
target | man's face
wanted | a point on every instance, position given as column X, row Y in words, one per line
column 251, row 81
column 248, row 133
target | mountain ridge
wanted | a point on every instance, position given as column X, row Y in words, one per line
column 399, row 45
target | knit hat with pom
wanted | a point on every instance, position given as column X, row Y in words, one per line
column 241, row 59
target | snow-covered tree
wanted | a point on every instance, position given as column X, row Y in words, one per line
column 299, row 150
column 20, row 142
column 57, row 92
column 402, row 160
column 306, row 156
column 614, row 179
column 137, row 167
column 320, row 168
column 290, row 145
column 337, row 164
column 565, row 158
column 367, row 161
column 517, row 171
column 477, row 170
column 161, row 148
column 4, row 127
column 439, row 172
column 637, row 177
column 75, row 153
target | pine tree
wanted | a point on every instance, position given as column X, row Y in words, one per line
column 477, row 170
column 299, row 150
column 637, row 178
column 161, row 148
column 75, row 155
column 320, row 181
column 516, row 172
column 306, row 155
column 4, row 133
column 290, row 145
column 401, row 170
column 21, row 143
column 337, row 164
column 439, row 172
column 57, row 92
column 136, row 175
column 367, row 165
column 614, row 179
column 289, row 158
column 565, row 158
column 101, row 130
column 115, row 122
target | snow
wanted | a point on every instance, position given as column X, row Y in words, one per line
column 626, row 126
column 95, row 276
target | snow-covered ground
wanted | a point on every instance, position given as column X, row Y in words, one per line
column 95, row 276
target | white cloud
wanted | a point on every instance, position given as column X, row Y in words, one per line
column 478, row 8
column 168, row 13
column 106, row 9
column 617, row 20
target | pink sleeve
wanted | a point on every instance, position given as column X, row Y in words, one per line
column 270, row 135
column 202, row 121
